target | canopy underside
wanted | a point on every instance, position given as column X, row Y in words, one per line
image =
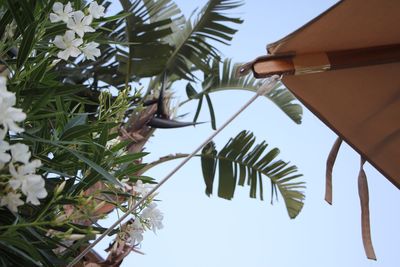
column 361, row 104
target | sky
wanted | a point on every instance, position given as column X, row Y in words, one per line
column 201, row 231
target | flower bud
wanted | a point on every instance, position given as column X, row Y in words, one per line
column 59, row 188
column 74, row 237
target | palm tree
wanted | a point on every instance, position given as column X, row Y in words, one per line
column 148, row 42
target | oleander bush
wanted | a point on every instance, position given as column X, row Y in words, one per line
column 82, row 90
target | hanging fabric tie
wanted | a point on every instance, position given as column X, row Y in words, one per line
column 364, row 201
column 329, row 166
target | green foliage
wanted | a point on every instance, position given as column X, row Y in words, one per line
column 74, row 121
column 240, row 164
column 225, row 78
column 164, row 41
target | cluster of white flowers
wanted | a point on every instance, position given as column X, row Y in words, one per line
column 17, row 157
column 149, row 218
column 72, row 43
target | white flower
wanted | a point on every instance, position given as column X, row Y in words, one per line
column 136, row 231
column 80, row 23
column 20, row 174
column 91, row 51
column 20, row 152
column 61, row 13
column 3, row 133
column 31, row 166
column 12, row 201
column 3, row 82
column 8, row 97
column 153, row 217
column 4, row 156
column 69, row 43
column 19, row 177
column 33, row 188
column 96, row 10
column 10, row 115
column 32, row 185
column 140, row 188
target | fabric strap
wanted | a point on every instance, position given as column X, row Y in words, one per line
column 365, row 223
column 329, row 166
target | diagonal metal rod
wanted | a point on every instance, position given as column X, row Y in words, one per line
column 263, row 90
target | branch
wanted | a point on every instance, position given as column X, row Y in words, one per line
column 162, row 160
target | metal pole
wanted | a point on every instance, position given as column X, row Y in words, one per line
column 264, row 89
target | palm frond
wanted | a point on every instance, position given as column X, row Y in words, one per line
column 226, row 79
column 150, row 21
column 240, row 164
column 192, row 46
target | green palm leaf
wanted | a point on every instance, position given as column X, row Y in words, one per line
column 191, row 42
column 150, row 21
column 240, row 164
column 226, row 79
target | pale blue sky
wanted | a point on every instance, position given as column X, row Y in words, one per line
column 201, row 231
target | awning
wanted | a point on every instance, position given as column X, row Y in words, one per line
column 344, row 66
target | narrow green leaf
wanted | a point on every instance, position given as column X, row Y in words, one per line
column 212, row 114
column 130, row 157
column 196, row 116
column 120, row 145
column 208, row 166
column 132, row 169
column 22, row 255
column 13, row 7
column 26, row 44
column 109, row 177
column 190, row 91
column 78, row 120
column 4, row 21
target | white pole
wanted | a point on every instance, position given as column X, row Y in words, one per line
column 263, row 90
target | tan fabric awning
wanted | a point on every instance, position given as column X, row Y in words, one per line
column 361, row 103
column 345, row 67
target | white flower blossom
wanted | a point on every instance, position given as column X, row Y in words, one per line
column 18, row 179
column 153, row 217
column 32, row 185
column 3, row 133
column 31, row 166
column 69, row 43
column 91, row 51
column 10, row 115
column 20, row 152
column 24, row 177
column 19, row 176
column 80, row 23
column 136, row 231
column 61, row 12
column 140, row 188
column 96, row 10
column 8, row 97
column 4, row 156
column 12, row 201
column 34, row 189
column 3, row 82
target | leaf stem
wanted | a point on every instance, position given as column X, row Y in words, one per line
column 162, row 160
column 20, row 225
